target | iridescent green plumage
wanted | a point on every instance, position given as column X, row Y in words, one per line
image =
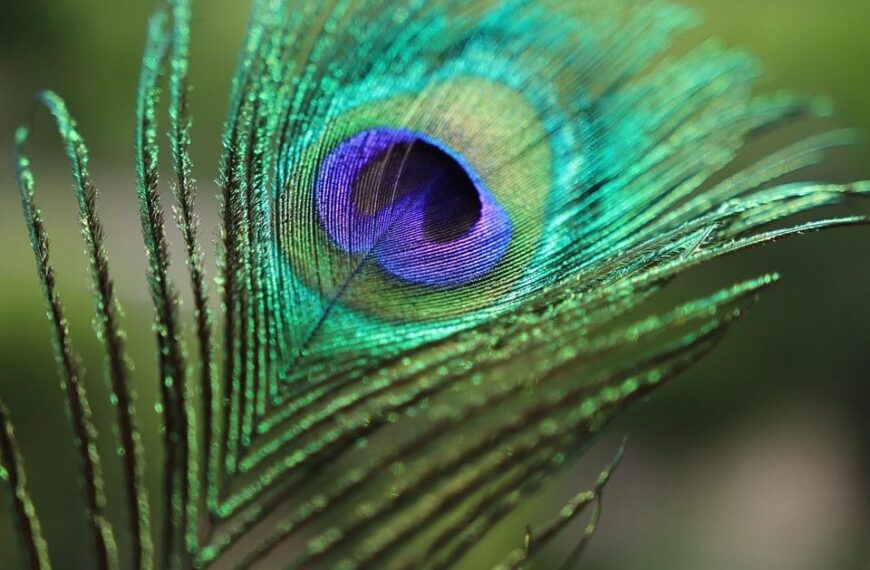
column 404, row 362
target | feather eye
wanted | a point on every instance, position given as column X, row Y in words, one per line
column 440, row 224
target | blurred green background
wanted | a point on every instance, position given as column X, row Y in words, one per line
column 757, row 459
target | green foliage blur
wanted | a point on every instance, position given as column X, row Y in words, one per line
column 758, row 459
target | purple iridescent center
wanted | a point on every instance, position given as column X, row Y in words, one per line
column 413, row 206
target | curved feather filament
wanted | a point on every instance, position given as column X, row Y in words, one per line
column 105, row 548
column 33, row 543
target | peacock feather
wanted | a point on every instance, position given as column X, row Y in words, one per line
column 441, row 225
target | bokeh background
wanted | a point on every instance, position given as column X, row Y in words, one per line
column 757, row 459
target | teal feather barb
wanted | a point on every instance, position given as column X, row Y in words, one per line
column 441, row 222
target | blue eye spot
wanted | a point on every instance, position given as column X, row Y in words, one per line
column 414, row 206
